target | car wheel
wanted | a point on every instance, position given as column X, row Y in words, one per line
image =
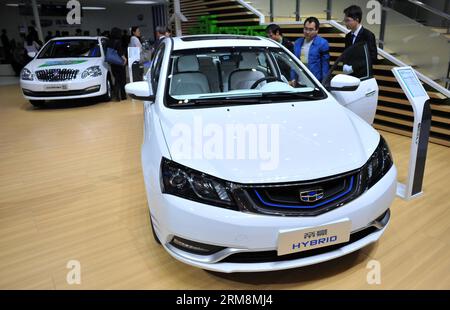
column 108, row 96
column 38, row 103
column 153, row 229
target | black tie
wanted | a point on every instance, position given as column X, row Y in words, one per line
column 353, row 38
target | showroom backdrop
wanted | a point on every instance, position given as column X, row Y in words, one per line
column 116, row 14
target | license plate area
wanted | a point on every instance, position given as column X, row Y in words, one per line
column 56, row 87
column 304, row 239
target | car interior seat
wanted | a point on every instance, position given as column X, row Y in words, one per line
column 188, row 79
column 246, row 74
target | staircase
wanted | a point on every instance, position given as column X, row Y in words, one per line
column 394, row 112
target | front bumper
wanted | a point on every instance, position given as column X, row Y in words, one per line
column 73, row 89
column 245, row 233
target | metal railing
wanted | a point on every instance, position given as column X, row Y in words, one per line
column 443, row 90
column 443, row 15
column 447, row 81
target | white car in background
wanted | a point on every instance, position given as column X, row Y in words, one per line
column 328, row 193
column 67, row 68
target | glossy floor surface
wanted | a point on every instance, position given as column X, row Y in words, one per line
column 71, row 188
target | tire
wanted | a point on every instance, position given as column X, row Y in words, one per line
column 153, row 229
column 38, row 103
column 108, row 96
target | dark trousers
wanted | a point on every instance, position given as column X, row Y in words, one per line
column 120, row 80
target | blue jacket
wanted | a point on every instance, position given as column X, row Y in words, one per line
column 318, row 58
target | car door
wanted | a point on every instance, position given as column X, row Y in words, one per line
column 153, row 80
column 362, row 101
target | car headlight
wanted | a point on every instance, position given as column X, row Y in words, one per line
column 194, row 185
column 378, row 164
column 91, row 72
column 26, row 75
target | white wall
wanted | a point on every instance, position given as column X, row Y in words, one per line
column 118, row 15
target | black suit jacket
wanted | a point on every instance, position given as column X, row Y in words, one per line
column 366, row 36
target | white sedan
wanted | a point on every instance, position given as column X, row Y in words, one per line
column 251, row 164
column 67, row 68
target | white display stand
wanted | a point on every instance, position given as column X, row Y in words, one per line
column 419, row 99
column 134, row 54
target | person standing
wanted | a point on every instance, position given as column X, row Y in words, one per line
column 135, row 40
column 159, row 36
column 6, row 46
column 49, row 36
column 274, row 32
column 357, row 34
column 31, row 46
column 313, row 50
column 118, row 71
column 137, row 67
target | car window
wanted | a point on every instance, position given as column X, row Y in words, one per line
column 290, row 72
column 354, row 61
column 196, row 76
column 71, row 48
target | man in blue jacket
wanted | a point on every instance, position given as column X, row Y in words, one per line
column 313, row 50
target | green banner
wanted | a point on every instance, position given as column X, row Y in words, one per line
column 61, row 63
column 208, row 25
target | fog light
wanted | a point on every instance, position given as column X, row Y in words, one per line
column 93, row 89
column 195, row 247
column 27, row 92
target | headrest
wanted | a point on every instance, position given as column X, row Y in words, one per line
column 187, row 63
column 248, row 61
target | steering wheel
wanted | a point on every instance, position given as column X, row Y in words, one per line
column 267, row 79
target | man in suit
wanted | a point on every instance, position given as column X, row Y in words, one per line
column 160, row 35
column 274, row 32
column 361, row 35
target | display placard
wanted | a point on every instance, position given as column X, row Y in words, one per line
column 419, row 99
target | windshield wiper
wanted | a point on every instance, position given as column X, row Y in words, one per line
column 223, row 101
column 313, row 95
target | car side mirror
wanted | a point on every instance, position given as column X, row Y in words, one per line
column 31, row 54
column 140, row 91
column 342, row 82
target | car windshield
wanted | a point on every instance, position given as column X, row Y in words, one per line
column 71, row 48
column 237, row 75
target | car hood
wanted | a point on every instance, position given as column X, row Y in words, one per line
column 293, row 141
column 63, row 63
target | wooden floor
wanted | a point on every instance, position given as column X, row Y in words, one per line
column 71, row 188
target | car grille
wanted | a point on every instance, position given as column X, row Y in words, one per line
column 56, row 75
column 309, row 198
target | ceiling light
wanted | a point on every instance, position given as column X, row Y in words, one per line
column 93, row 8
column 12, row 4
column 141, row 2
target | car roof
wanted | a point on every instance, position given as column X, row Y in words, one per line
column 77, row 38
column 217, row 40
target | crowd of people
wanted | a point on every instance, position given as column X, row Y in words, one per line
column 312, row 49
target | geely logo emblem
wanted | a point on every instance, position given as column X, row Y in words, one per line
column 311, row 195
